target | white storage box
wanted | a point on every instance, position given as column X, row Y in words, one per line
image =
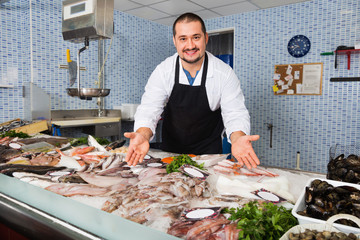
column 300, row 206
column 128, row 110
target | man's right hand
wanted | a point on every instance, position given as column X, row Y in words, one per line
column 138, row 147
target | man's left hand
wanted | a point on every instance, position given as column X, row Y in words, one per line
column 242, row 150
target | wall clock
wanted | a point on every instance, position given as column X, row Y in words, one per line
column 299, row 46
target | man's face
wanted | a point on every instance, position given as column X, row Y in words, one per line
column 190, row 41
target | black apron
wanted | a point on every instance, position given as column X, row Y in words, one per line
column 189, row 125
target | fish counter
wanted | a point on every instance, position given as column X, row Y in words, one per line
column 89, row 192
column 63, row 218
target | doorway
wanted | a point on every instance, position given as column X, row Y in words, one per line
column 221, row 44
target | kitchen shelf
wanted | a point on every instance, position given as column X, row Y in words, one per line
column 348, row 52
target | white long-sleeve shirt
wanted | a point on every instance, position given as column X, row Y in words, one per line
column 222, row 88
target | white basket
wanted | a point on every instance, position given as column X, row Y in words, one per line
column 328, row 226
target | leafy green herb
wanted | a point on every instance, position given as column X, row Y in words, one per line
column 84, row 140
column 78, row 141
column 12, row 133
column 181, row 160
column 265, row 221
column 102, row 141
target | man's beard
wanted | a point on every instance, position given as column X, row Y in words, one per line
column 192, row 61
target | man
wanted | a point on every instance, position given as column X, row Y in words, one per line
column 198, row 94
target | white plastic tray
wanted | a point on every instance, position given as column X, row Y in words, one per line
column 300, row 206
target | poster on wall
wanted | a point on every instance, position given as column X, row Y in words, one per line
column 298, row 79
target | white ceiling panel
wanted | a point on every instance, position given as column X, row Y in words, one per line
column 124, row 5
column 274, row 3
column 235, row 8
column 166, row 11
column 174, row 7
column 166, row 21
column 146, row 2
column 207, row 14
column 215, row 3
column 147, row 13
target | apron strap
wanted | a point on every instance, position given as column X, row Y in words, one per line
column 203, row 77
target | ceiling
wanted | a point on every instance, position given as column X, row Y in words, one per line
column 166, row 11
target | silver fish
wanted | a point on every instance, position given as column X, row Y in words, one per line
column 92, row 142
column 108, row 161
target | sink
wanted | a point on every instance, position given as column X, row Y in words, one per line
column 83, row 117
column 83, row 114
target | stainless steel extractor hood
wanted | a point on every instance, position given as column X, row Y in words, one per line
column 93, row 19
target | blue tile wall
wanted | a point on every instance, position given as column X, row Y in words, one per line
column 14, row 55
column 138, row 46
column 308, row 124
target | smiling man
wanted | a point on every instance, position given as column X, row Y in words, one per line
column 198, row 97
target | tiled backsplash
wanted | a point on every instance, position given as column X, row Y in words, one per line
column 308, row 124
column 305, row 124
column 138, row 46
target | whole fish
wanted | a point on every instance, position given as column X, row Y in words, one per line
column 117, row 162
column 11, row 168
column 7, row 153
column 73, row 178
column 78, row 151
column 69, row 162
column 103, row 181
column 92, row 142
column 68, row 190
column 108, row 161
column 113, row 171
column 115, row 144
column 87, row 158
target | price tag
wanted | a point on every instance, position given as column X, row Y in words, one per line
column 268, row 196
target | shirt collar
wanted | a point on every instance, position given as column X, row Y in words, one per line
column 210, row 70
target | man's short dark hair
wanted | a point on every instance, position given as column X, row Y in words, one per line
column 189, row 17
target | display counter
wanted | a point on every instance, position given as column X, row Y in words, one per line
column 37, row 213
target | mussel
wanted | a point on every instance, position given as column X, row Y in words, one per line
column 317, row 212
column 349, row 176
column 319, row 201
column 345, row 169
column 352, row 160
column 343, row 206
column 308, row 195
column 340, row 172
column 333, row 197
column 315, row 183
column 323, row 187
